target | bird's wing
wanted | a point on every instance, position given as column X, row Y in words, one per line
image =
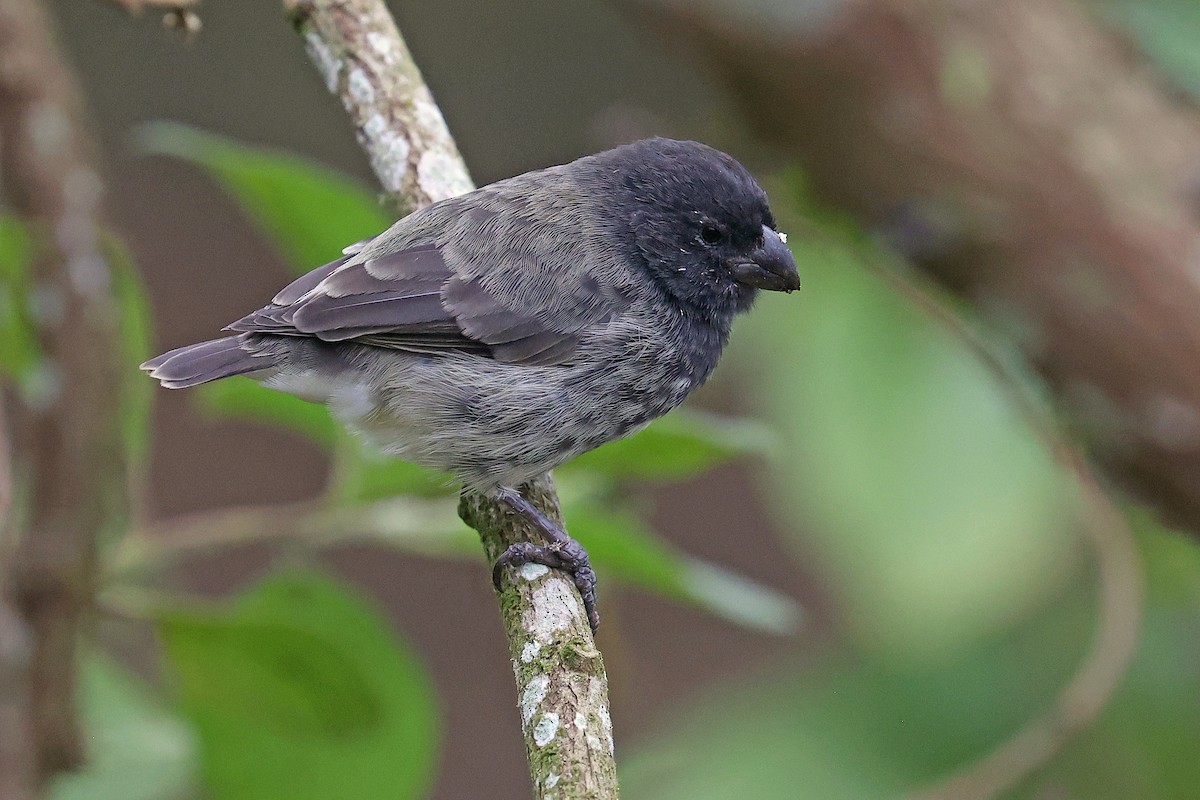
column 429, row 298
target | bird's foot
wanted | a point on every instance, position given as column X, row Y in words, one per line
column 562, row 553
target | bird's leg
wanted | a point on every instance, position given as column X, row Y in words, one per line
column 562, row 553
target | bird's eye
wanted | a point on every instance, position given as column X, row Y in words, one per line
column 711, row 234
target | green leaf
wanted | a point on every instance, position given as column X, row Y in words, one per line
column 622, row 547
column 683, row 444
column 845, row 729
column 365, row 475
column 920, row 485
column 310, row 212
column 848, row 728
column 301, row 691
column 1167, row 30
column 18, row 343
column 137, row 749
column 242, row 398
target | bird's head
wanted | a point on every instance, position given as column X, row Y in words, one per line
column 702, row 225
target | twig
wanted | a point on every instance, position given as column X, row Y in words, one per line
column 67, row 440
column 1095, row 681
column 137, row 6
column 1120, row 583
column 560, row 675
column 416, row 525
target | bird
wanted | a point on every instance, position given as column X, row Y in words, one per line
column 500, row 333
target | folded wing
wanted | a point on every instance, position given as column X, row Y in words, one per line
column 425, row 299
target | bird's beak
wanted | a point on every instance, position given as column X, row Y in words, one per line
column 770, row 267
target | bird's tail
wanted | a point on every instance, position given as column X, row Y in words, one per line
column 208, row 361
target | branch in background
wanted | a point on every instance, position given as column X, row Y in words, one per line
column 414, row 524
column 1023, row 156
column 138, row 6
column 1099, row 675
column 560, row 674
column 67, row 441
column 17, row 774
column 1015, row 152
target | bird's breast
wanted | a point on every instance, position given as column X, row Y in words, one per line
column 651, row 367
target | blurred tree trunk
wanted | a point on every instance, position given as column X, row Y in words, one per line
column 1022, row 155
column 66, row 440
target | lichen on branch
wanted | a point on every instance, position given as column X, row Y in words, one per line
column 359, row 52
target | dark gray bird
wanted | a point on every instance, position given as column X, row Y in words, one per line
column 499, row 334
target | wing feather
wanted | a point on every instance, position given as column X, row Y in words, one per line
column 415, row 299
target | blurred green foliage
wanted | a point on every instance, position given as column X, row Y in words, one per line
column 135, row 340
column 853, row 727
column 951, row 540
column 1167, row 30
column 296, row 688
column 310, row 212
column 678, row 446
column 926, row 494
column 896, row 463
column 300, row 690
column 245, row 399
column 18, row 346
column 138, row 748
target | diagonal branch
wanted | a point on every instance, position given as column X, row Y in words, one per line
column 358, row 51
column 560, row 674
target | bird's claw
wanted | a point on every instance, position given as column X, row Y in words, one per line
column 568, row 556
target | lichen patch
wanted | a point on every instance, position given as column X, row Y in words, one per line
column 533, row 695
column 359, row 86
column 546, row 729
column 531, row 572
column 323, row 57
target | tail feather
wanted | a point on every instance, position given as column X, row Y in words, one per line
column 207, row 361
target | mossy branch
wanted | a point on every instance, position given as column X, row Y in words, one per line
column 561, row 682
